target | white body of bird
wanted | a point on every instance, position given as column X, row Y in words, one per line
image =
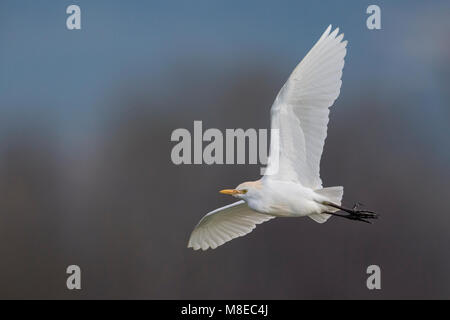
column 283, row 198
column 294, row 189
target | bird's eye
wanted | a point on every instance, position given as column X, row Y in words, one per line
column 244, row 191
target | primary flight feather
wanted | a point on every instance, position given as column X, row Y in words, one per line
column 294, row 188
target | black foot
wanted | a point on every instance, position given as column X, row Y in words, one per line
column 355, row 213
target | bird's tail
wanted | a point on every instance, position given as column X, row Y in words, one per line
column 332, row 194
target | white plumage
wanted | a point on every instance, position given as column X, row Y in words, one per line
column 301, row 109
column 300, row 113
column 224, row 224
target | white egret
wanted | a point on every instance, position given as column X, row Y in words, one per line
column 300, row 113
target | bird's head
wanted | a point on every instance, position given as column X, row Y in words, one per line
column 244, row 190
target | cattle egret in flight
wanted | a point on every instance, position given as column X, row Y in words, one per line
column 300, row 114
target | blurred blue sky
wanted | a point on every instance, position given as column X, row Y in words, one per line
column 45, row 67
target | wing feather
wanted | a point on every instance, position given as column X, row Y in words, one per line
column 224, row 224
column 301, row 109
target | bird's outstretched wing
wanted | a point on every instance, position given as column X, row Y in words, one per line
column 300, row 112
column 224, row 224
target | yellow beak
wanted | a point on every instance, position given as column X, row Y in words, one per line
column 230, row 191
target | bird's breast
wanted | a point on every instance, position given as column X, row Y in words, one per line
column 285, row 200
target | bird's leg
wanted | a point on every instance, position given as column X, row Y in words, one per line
column 353, row 214
column 347, row 216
